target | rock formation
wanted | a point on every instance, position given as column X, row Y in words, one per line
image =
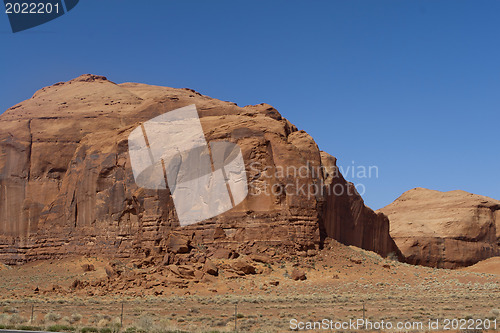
column 347, row 219
column 66, row 185
column 444, row 229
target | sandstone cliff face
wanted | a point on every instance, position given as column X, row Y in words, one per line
column 66, row 184
column 444, row 229
column 347, row 219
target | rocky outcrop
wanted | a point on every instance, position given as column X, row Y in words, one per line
column 445, row 229
column 346, row 218
column 66, row 184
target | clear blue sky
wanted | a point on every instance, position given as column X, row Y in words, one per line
column 412, row 87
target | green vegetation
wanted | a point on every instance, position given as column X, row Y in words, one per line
column 89, row 330
column 61, row 328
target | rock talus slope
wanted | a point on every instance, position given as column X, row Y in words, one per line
column 66, row 185
column 445, row 229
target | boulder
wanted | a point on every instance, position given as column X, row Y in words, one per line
column 186, row 271
column 168, row 259
column 78, row 284
column 88, row 267
column 223, row 253
column 110, row 271
column 444, row 229
column 199, row 275
column 298, row 275
column 262, row 258
column 210, row 268
column 244, row 267
column 182, row 271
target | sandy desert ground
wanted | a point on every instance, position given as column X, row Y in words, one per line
column 340, row 281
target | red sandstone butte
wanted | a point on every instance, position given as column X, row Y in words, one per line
column 445, row 229
column 67, row 187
